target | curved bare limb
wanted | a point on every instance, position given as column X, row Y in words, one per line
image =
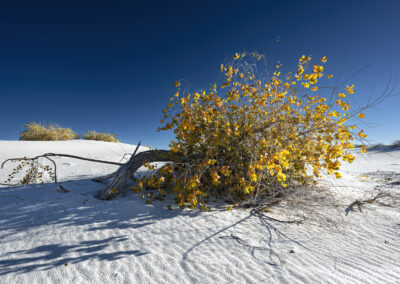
column 60, row 155
column 127, row 170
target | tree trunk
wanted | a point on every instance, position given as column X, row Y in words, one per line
column 127, row 170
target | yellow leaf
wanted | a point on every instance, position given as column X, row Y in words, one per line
column 361, row 134
column 323, row 59
column 318, row 68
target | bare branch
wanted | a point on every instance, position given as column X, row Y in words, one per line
column 60, row 155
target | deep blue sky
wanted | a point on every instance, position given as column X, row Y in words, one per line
column 110, row 65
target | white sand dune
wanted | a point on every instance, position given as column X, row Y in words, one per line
column 51, row 237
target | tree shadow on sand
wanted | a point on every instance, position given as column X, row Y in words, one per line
column 31, row 206
column 46, row 257
column 28, row 208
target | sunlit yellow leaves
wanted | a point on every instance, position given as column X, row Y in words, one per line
column 340, row 103
column 337, row 175
column 304, row 59
column 334, row 113
column 196, row 96
column 251, row 133
column 215, row 177
column 255, row 55
column 300, row 70
column 183, row 101
column 218, row 101
column 350, row 89
column 177, row 83
column 194, row 182
column 225, row 171
column 313, row 80
column 361, row 115
column 348, row 158
column 324, row 59
column 281, row 177
column 329, row 76
column 252, row 174
column 362, row 134
column 363, row 149
column 248, row 189
column 318, row 68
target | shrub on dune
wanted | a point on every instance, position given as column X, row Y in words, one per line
column 255, row 135
column 38, row 132
column 100, row 136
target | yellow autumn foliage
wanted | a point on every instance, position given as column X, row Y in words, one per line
column 254, row 135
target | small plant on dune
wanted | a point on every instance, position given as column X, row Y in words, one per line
column 34, row 172
column 256, row 135
column 100, row 136
column 38, row 132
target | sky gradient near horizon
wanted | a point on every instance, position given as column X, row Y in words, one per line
column 109, row 65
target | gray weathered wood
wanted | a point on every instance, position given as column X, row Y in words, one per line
column 128, row 169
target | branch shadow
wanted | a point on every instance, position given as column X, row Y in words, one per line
column 271, row 230
column 350, row 208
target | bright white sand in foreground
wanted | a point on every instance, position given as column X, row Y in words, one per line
column 126, row 241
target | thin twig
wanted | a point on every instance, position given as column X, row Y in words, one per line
column 137, row 148
column 258, row 212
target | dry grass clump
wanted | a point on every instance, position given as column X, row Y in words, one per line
column 38, row 132
column 100, row 136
